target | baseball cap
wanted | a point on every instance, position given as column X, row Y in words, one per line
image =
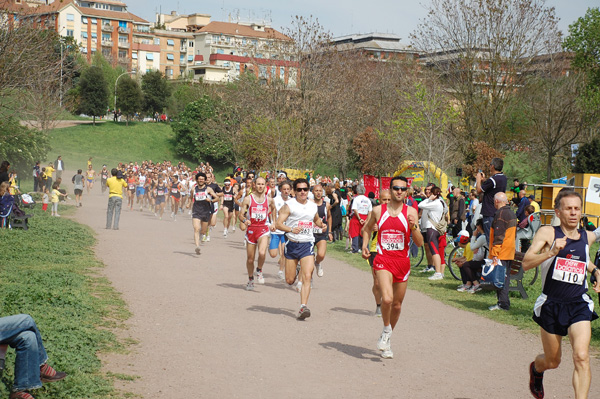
column 463, row 237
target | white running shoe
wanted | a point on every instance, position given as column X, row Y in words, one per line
column 384, row 341
column 197, row 250
column 378, row 311
column 319, row 269
column 280, row 275
column 259, row 277
column 428, row 269
column 225, row 233
column 298, row 286
column 388, row 354
column 203, row 238
column 233, row 229
column 436, row 276
column 172, row 215
column 208, row 238
column 250, row 285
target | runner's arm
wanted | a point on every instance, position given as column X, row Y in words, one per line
column 329, row 218
column 368, row 229
column 413, row 224
column 244, row 210
column 543, row 239
column 318, row 222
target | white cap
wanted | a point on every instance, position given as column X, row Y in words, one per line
column 464, row 233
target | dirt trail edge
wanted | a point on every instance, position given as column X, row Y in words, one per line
column 201, row 335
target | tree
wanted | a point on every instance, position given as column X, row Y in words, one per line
column 156, row 92
column 480, row 48
column 94, row 92
column 21, row 146
column 479, row 156
column 588, row 158
column 129, row 97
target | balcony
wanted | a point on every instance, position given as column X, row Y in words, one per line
column 107, row 43
column 123, row 30
column 107, row 28
column 124, row 44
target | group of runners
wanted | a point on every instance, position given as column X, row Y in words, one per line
column 292, row 220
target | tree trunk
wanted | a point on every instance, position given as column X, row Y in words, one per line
column 127, row 121
column 94, row 120
column 549, row 167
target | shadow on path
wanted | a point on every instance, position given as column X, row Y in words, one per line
column 354, row 351
column 267, row 309
column 192, row 254
column 361, row 312
column 237, row 286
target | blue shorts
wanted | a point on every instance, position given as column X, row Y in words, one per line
column 139, row 191
column 159, row 199
column 277, row 239
column 298, row 250
column 556, row 316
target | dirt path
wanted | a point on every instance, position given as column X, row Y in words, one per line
column 201, row 335
column 61, row 123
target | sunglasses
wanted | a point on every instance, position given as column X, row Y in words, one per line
column 398, row 188
column 302, row 189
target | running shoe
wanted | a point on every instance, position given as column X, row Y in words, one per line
column 259, row 277
column 384, row 341
column 303, row 313
column 428, row 269
column 172, row 215
column 464, row 288
column 225, row 233
column 197, row 250
column 233, row 229
column 436, row 276
column 250, row 285
column 536, row 385
column 496, row 307
column 319, row 270
column 298, row 286
column 280, row 275
column 204, row 238
column 475, row 288
column 208, row 238
column 387, row 354
column 378, row 311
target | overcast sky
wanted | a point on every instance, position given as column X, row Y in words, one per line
column 339, row 17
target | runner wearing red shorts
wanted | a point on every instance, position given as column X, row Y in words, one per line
column 396, row 224
column 257, row 206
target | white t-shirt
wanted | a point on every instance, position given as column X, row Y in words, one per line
column 279, row 202
column 301, row 215
column 433, row 210
column 362, row 205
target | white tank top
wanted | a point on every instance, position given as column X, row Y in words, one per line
column 301, row 216
column 279, row 202
column 142, row 181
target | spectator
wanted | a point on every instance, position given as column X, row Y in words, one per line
column 31, row 367
column 472, row 208
column 434, row 209
column 55, row 196
column 523, row 203
column 472, row 260
column 502, row 244
column 4, row 166
column 45, row 199
column 36, row 176
column 458, row 211
column 534, row 203
column 6, row 203
column 361, row 210
column 59, row 165
column 495, row 184
column 115, row 185
column 13, row 183
column 48, row 173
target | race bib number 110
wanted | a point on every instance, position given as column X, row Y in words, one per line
column 569, row 271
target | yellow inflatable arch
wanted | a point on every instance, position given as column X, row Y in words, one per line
column 437, row 172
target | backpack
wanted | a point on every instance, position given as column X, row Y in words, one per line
column 442, row 225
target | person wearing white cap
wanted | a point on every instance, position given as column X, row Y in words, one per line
column 472, row 260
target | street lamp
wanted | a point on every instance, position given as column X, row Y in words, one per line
column 124, row 73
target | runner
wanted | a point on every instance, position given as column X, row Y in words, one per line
column 296, row 218
column 258, row 206
column 90, row 175
column 396, row 223
column 564, row 307
column 219, row 193
column 131, row 182
column 278, row 239
column 140, row 190
column 160, row 192
column 202, row 209
column 227, row 205
column 175, row 197
column 103, row 178
column 321, row 237
column 384, row 197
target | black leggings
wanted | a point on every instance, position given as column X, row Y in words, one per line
column 470, row 271
column 432, row 238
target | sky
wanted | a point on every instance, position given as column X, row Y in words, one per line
column 340, row 17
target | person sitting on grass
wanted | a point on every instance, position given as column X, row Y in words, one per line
column 31, row 367
column 472, row 260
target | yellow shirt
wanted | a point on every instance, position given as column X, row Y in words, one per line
column 535, row 205
column 115, row 186
column 468, row 253
column 49, row 171
column 55, row 194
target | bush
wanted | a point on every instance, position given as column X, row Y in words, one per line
column 21, row 146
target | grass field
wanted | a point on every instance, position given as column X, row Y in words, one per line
column 50, row 272
column 445, row 291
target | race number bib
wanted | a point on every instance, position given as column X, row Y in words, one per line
column 259, row 213
column 392, row 241
column 569, row 271
column 161, row 192
column 200, row 196
column 174, row 190
column 228, row 197
column 318, row 230
column 363, row 208
column 131, row 186
column 306, row 228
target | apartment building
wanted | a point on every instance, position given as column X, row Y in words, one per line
column 376, row 46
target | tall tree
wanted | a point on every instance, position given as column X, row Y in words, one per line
column 129, row 97
column 94, row 92
column 156, row 92
column 479, row 48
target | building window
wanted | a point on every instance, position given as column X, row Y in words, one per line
column 226, row 64
column 191, row 44
column 243, row 41
column 70, row 17
column 273, row 72
column 123, row 39
column 150, row 56
column 106, row 37
column 156, row 41
column 122, row 24
column 84, row 20
column 170, row 42
column 94, row 21
column 84, row 35
column 70, row 32
column 122, row 53
column 237, row 66
column 84, row 50
column 170, row 57
column 281, row 73
column 181, row 58
column 220, row 51
column 105, row 22
column 94, row 35
column 262, row 72
column 134, row 56
column 190, row 58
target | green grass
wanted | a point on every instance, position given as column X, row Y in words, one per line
column 444, row 291
column 110, row 143
column 50, row 272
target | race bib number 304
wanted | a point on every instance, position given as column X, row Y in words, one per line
column 306, row 228
column 392, row 241
column 569, row 271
